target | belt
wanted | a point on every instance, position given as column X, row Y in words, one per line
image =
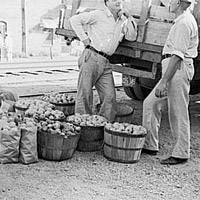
column 96, row 51
column 166, row 56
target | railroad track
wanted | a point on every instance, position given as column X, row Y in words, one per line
column 35, row 73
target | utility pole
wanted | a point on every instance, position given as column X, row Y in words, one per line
column 23, row 27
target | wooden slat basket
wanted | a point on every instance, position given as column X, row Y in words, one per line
column 122, row 147
column 56, row 147
column 124, row 112
column 91, row 138
column 66, row 108
column 20, row 110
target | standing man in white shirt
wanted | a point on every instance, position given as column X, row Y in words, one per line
column 105, row 29
column 172, row 90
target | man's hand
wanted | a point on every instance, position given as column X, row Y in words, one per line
column 86, row 42
column 124, row 12
column 161, row 89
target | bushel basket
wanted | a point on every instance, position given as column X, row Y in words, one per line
column 124, row 113
column 66, row 108
column 56, row 147
column 122, row 147
column 20, row 110
column 91, row 139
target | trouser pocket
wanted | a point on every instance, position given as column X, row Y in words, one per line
column 84, row 57
column 188, row 69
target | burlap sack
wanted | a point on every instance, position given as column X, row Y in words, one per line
column 9, row 144
column 8, row 99
column 28, row 143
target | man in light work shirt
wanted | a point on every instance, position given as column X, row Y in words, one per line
column 173, row 88
column 105, row 29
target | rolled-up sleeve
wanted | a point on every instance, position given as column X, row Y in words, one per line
column 79, row 21
column 130, row 29
column 181, row 41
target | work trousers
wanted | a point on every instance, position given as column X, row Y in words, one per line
column 177, row 101
column 95, row 70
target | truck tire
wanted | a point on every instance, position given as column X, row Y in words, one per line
column 138, row 91
column 143, row 86
column 130, row 92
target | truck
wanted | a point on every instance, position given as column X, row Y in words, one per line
column 138, row 61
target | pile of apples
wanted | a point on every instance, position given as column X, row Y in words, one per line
column 56, row 127
column 87, row 120
column 57, row 98
column 8, row 122
column 6, row 116
column 126, row 128
column 43, row 110
column 23, row 103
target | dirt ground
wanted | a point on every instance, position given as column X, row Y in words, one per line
column 90, row 176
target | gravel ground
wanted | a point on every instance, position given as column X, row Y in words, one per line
column 91, row 176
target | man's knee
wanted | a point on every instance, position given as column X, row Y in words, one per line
column 110, row 97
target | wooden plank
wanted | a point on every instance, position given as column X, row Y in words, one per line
column 66, row 33
column 133, row 72
column 142, row 22
column 161, row 13
column 196, row 12
column 157, row 32
column 142, row 46
column 145, row 55
column 143, row 19
column 148, row 56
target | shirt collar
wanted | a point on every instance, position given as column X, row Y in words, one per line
column 184, row 14
column 109, row 14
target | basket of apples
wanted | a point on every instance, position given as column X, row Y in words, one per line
column 57, row 140
column 22, row 105
column 123, row 142
column 42, row 110
column 92, row 131
column 63, row 102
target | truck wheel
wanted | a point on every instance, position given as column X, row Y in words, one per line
column 143, row 86
column 140, row 91
column 137, row 92
column 130, row 92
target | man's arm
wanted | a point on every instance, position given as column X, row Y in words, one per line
column 79, row 21
column 174, row 64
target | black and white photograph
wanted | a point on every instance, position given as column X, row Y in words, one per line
column 99, row 99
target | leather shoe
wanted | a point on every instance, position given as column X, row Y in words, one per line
column 173, row 161
column 150, row 152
